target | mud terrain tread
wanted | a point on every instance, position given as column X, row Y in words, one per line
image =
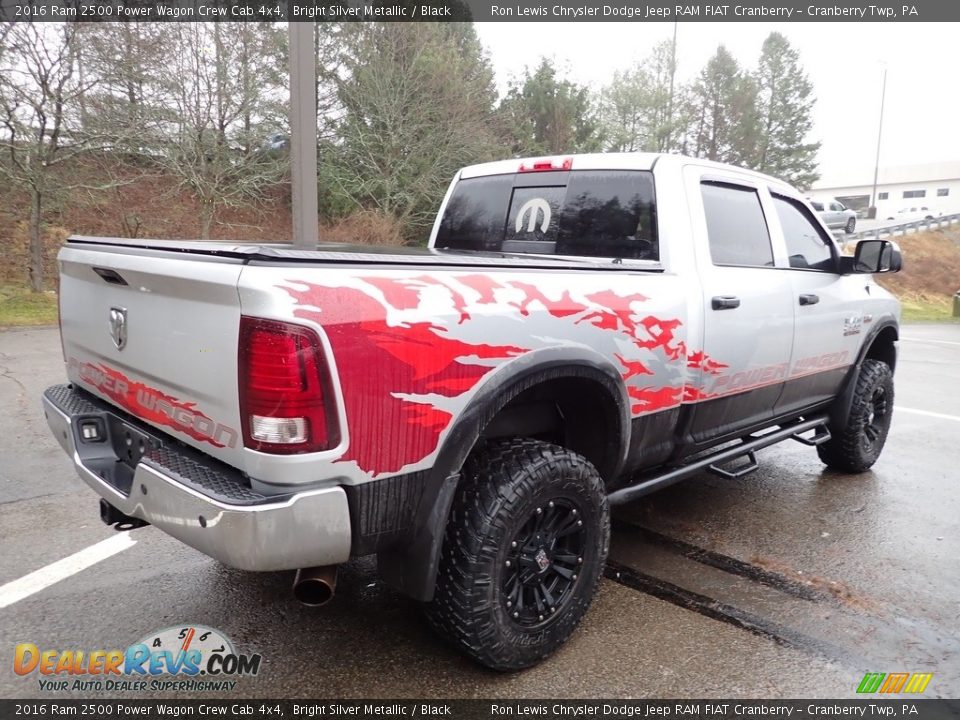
column 497, row 478
column 844, row 450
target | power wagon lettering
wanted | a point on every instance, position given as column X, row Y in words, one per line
column 150, row 404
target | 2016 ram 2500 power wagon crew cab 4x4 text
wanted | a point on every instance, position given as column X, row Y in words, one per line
column 581, row 331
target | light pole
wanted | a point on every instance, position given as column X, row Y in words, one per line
column 303, row 133
column 876, row 163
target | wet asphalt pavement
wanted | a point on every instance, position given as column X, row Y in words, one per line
column 791, row 582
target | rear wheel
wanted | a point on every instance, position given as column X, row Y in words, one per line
column 523, row 552
column 850, row 226
column 857, row 446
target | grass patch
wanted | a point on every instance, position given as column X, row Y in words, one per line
column 924, row 308
column 20, row 307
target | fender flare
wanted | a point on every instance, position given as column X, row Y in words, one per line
column 411, row 567
column 840, row 410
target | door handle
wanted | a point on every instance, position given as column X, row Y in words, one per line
column 725, row 302
column 809, row 299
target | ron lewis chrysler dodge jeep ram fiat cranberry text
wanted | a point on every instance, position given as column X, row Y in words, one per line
column 580, row 331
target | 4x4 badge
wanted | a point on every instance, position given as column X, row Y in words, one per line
column 118, row 326
column 852, row 325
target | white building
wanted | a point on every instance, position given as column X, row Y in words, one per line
column 933, row 185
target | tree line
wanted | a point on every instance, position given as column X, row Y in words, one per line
column 400, row 106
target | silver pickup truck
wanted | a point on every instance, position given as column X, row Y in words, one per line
column 580, row 331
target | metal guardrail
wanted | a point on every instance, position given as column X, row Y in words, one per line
column 902, row 228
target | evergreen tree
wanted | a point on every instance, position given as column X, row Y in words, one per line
column 784, row 107
column 636, row 109
column 722, row 107
column 415, row 104
column 623, row 105
column 546, row 115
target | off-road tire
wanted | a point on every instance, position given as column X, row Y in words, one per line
column 504, row 485
column 850, row 226
column 856, row 447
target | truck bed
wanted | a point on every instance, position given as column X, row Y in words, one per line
column 341, row 253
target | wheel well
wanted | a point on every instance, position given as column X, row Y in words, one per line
column 579, row 405
column 575, row 412
column 883, row 347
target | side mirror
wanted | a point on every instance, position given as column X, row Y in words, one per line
column 873, row 256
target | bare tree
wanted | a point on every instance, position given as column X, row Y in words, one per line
column 223, row 95
column 40, row 126
column 121, row 63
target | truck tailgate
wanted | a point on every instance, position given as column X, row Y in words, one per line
column 155, row 334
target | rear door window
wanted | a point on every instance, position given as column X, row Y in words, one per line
column 592, row 213
column 736, row 227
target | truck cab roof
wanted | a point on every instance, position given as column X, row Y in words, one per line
column 601, row 161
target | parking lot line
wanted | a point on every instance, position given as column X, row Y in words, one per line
column 925, row 340
column 38, row 580
column 927, row 413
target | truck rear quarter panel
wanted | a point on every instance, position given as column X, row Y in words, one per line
column 409, row 348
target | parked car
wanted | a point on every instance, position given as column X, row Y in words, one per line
column 913, row 214
column 836, row 215
column 580, row 332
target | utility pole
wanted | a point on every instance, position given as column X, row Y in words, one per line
column 876, row 163
column 303, row 133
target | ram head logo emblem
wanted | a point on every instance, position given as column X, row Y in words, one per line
column 118, row 326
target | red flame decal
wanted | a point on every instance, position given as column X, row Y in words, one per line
column 633, row 368
column 405, row 294
column 483, row 285
column 377, row 362
column 652, row 399
column 384, row 367
column 701, row 361
column 563, row 307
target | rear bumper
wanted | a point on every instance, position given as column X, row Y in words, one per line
column 196, row 500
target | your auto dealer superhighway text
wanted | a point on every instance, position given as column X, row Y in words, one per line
column 626, row 11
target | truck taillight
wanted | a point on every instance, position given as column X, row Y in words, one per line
column 285, row 394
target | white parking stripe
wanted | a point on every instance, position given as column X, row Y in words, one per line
column 24, row 587
column 927, row 413
column 938, row 342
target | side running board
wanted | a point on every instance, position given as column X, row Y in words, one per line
column 712, row 462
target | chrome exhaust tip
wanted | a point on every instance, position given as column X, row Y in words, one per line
column 315, row 586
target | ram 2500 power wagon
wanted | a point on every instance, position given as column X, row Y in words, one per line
column 580, row 331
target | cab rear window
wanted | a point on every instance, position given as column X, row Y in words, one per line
column 592, row 213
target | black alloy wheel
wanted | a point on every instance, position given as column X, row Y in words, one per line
column 877, row 421
column 543, row 563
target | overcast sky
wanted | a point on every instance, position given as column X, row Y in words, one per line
column 845, row 61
